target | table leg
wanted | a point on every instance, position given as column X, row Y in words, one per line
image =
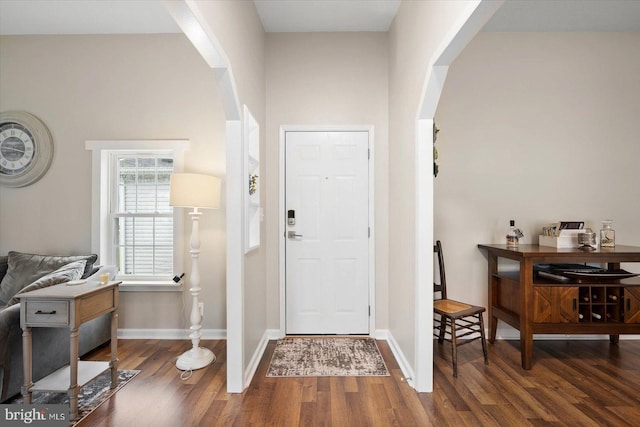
column 526, row 313
column 114, row 349
column 493, row 326
column 74, row 389
column 526, row 350
column 614, row 339
column 27, row 364
column 492, row 296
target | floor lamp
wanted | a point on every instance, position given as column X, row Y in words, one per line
column 195, row 191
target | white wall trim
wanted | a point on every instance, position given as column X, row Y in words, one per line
column 380, row 334
column 274, row 334
column 281, row 231
column 169, row 334
column 423, row 378
column 235, row 259
column 514, row 335
column 193, row 24
column 281, row 212
column 101, row 186
column 405, row 366
column 252, row 366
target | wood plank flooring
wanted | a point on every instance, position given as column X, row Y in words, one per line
column 572, row 383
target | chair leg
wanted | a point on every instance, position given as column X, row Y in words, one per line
column 443, row 326
column 454, row 348
column 484, row 341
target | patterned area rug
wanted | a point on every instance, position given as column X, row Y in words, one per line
column 92, row 394
column 327, row 357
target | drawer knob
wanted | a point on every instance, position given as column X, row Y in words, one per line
column 46, row 312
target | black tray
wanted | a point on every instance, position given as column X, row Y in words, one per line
column 599, row 275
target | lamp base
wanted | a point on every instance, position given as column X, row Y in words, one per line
column 196, row 358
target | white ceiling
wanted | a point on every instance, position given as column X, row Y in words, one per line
column 22, row 17
column 326, row 15
column 566, row 15
column 151, row 16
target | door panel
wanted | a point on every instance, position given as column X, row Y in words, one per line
column 632, row 304
column 326, row 184
column 555, row 304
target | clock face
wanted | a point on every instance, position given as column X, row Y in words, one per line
column 26, row 149
column 17, row 148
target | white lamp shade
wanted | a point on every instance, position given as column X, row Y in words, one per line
column 192, row 190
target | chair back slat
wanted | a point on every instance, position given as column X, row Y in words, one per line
column 442, row 286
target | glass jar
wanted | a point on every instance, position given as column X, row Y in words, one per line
column 607, row 235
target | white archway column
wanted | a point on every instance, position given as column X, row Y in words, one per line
column 469, row 25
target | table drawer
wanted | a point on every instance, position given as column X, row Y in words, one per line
column 44, row 313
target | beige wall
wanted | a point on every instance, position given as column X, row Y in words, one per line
column 536, row 127
column 104, row 88
column 238, row 29
column 327, row 79
column 416, row 33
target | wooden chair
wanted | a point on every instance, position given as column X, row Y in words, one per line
column 453, row 319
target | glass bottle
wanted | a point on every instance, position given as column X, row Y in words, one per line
column 607, row 235
column 512, row 237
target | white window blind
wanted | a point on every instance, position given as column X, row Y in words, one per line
column 141, row 218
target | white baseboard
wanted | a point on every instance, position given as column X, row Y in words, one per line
column 405, row 367
column 514, row 334
column 252, row 367
column 170, row 334
column 508, row 334
column 274, row 334
column 380, row 334
column 255, row 360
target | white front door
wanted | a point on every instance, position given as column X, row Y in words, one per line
column 326, row 204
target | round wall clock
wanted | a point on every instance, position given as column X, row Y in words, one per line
column 26, row 148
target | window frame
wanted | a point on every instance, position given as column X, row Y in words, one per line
column 103, row 170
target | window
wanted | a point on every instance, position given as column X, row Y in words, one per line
column 141, row 218
column 134, row 228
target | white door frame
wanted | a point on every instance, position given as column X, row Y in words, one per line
column 282, row 210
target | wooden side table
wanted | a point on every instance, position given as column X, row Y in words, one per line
column 68, row 306
column 537, row 305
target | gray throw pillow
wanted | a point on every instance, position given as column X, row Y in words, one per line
column 4, row 264
column 66, row 273
column 26, row 268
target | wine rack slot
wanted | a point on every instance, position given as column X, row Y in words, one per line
column 601, row 304
column 585, row 297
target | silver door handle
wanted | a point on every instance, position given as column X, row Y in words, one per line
column 293, row 235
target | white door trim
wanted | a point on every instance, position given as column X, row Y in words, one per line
column 281, row 213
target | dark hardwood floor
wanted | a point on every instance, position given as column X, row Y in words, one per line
column 572, row 383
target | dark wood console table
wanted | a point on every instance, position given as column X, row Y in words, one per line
column 535, row 305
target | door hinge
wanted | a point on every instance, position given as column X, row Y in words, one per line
column 369, row 232
column 369, row 311
column 368, row 153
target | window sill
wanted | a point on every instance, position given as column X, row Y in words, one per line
column 150, row 286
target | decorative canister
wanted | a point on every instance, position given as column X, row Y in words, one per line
column 587, row 240
column 607, row 235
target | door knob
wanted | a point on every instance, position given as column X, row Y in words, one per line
column 293, row 235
